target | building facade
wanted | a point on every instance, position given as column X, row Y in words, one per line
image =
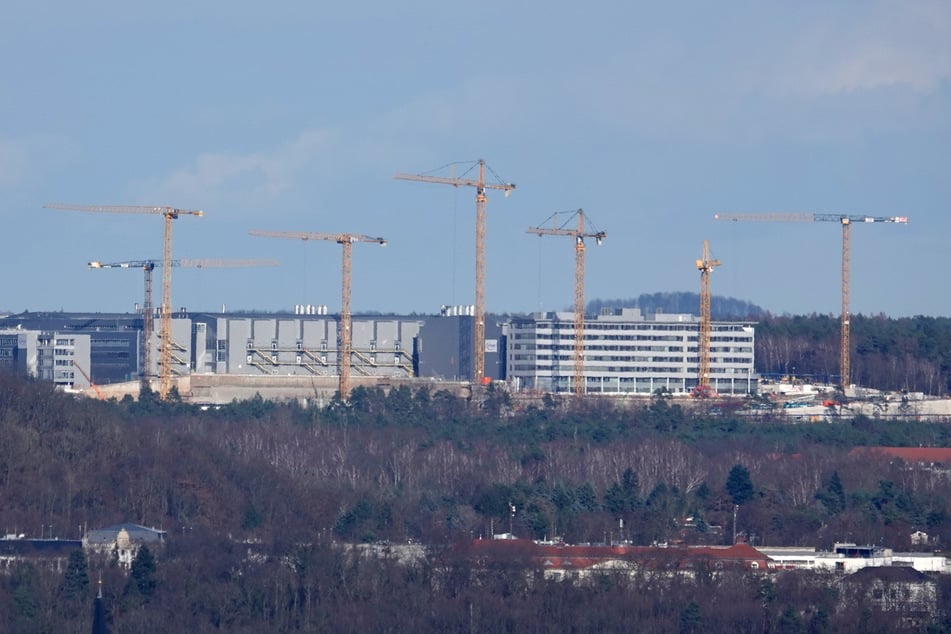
column 61, row 358
column 627, row 352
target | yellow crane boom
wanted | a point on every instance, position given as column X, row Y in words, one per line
column 147, row 267
column 346, row 240
column 168, row 215
column 705, row 265
column 846, row 220
column 480, row 185
column 579, row 233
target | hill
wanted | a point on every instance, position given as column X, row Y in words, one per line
column 726, row 308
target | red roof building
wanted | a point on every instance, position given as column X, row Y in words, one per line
column 916, row 455
column 558, row 560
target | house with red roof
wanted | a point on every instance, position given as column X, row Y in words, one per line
column 558, row 560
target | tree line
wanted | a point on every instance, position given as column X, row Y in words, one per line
column 255, row 494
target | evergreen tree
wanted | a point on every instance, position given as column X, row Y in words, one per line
column 143, row 572
column 739, row 485
column 833, row 497
column 76, row 579
column 690, row 619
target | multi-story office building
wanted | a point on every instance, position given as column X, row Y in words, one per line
column 627, row 352
column 60, row 358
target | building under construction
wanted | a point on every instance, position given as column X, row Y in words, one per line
column 235, row 355
column 299, row 344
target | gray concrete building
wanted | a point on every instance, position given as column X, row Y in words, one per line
column 627, row 352
column 114, row 339
column 301, row 345
column 61, row 358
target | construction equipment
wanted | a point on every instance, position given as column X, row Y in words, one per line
column 147, row 267
column 705, row 265
column 846, row 221
column 346, row 240
column 480, row 185
column 579, row 234
column 168, row 214
column 95, row 388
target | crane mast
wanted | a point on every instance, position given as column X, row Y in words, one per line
column 344, row 328
column 168, row 214
column 148, row 266
column 705, row 265
column 480, row 186
column 846, row 220
column 579, row 234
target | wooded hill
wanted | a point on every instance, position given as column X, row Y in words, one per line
column 254, row 495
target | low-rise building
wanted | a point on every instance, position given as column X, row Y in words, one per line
column 52, row 554
column 122, row 541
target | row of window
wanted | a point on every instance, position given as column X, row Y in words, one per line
column 602, row 372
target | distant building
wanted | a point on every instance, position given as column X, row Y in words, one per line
column 563, row 561
column 52, row 554
column 301, row 345
column 55, row 356
column 903, row 591
column 627, row 352
column 122, row 541
column 113, row 340
column 847, row 558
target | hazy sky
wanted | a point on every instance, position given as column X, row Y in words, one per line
column 294, row 116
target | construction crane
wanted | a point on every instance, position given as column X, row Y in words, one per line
column 846, row 221
column 346, row 240
column 705, row 265
column 479, row 183
column 579, row 233
column 95, row 388
column 168, row 214
column 147, row 267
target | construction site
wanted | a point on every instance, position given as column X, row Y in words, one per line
column 313, row 353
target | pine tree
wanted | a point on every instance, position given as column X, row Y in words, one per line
column 739, row 485
column 76, row 579
column 143, row 572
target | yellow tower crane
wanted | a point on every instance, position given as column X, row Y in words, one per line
column 479, row 183
column 846, row 221
column 346, row 240
column 147, row 267
column 168, row 214
column 705, row 265
column 579, row 233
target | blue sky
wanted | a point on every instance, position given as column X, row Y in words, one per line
column 653, row 117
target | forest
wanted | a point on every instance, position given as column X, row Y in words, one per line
column 258, row 497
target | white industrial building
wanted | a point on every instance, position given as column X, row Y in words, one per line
column 627, row 352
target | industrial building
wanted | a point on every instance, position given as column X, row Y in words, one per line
column 627, row 352
column 301, row 344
